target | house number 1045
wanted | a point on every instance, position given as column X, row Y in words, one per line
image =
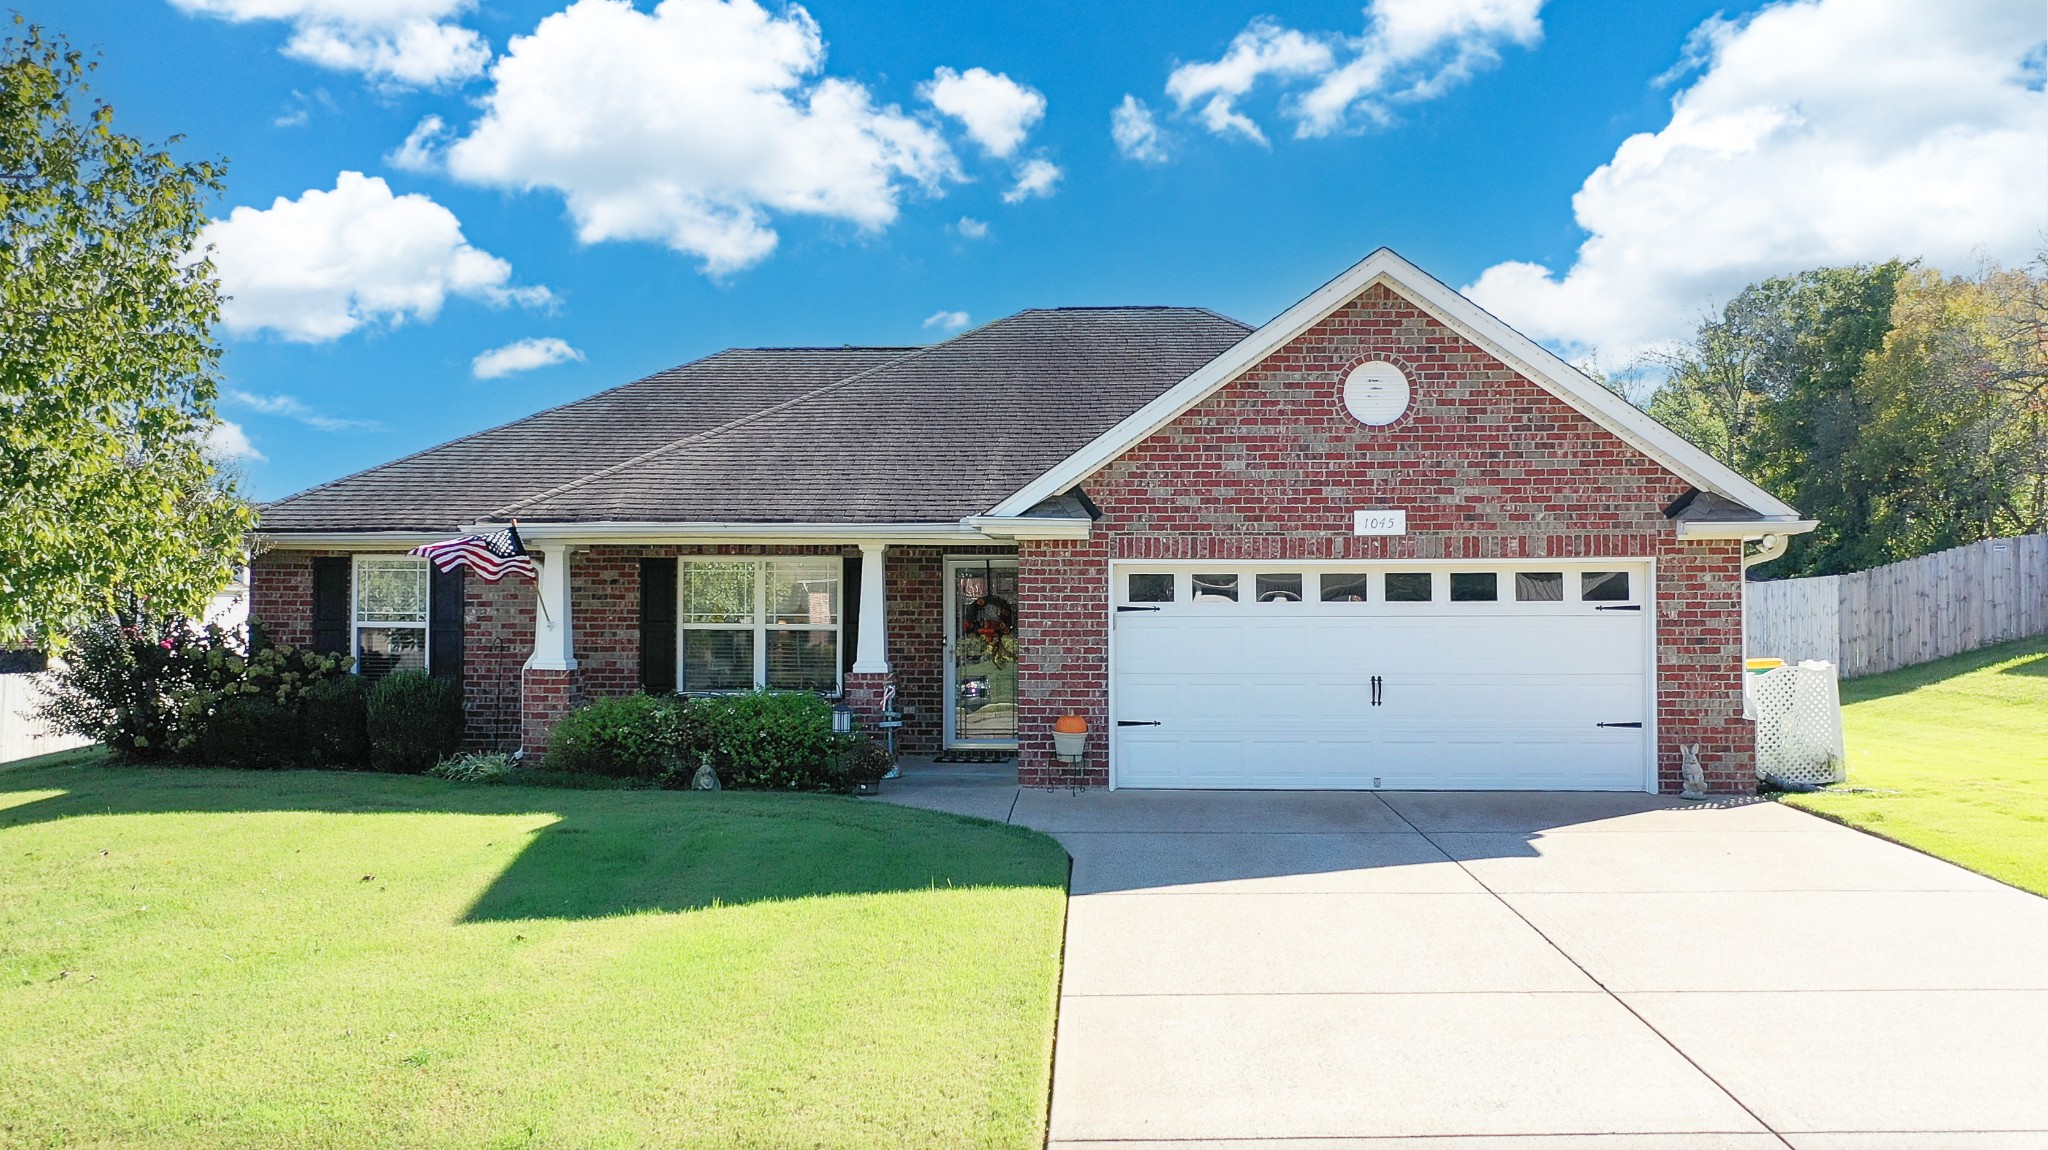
column 1379, row 522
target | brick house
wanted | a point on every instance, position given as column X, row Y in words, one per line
column 1381, row 541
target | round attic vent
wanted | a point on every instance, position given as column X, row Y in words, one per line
column 1376, row 393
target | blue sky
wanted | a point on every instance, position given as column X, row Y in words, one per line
column 1737, row 141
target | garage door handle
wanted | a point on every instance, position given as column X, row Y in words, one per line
column 1619, row 607
column 1377, row 687
column 1638, row 725
column 1137, row 722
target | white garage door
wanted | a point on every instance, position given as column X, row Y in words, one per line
column 1470, row 677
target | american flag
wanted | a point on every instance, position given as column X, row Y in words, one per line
column 493, row 555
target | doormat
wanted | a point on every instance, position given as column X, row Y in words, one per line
column 974, row 757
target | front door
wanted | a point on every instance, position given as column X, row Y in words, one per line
column 981, row 653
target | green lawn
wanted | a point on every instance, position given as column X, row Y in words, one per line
column 215, row 958
column 1963, row 744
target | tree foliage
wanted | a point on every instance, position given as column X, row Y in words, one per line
column 108, row 369
column 1902, row 409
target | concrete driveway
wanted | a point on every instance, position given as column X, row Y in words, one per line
column 1526, row 971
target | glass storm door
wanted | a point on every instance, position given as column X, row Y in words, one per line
column 981, row 653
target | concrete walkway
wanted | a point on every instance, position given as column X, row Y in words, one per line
column 1426, row 971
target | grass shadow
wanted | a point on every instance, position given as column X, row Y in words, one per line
column 2025, row 656
column 603, row 852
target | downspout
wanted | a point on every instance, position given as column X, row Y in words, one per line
column 1769, row 548
column 1772, row 547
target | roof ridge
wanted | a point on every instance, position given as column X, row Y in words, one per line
column 722, row 428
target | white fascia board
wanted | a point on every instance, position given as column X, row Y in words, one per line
column 1030, row 526
column 345, row 540
column 778, row 533
column 1518, row 351
column 1743, row 528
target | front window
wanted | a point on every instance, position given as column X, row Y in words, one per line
column 750, row 623
column 390, row 614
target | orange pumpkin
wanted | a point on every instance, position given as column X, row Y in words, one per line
column 1071, row 724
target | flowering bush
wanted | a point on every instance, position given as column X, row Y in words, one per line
column 153, row 686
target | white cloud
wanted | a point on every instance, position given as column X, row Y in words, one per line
column 1136, row 132
column 971, row 228
column 321, row 266
column 1035, row 177
column 522, row 355
column 690, row 125
column 414, row 43
column 1264, row 48
column 421, row 151
column 997, row 111
column 290, row 407
column 948, row 321
column 1411, row 50
column 1824, row 132
column 226, row 442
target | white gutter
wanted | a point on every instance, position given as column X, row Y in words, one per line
column 778, row 533
column 1743, row 528
column 1030, row 527
column 344, row 540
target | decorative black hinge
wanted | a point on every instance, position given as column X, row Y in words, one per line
column 1137, row 722
column 1121, row 607
column 1619, row 607
column 1617, row 724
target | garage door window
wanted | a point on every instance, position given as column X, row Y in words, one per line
column 1151, row 588
column 1278, row 588
column 1408, row 586
column 1346, row 588
column 1539, row 586
column 1603, row 586
column 1216, row 588
column 1474, row 587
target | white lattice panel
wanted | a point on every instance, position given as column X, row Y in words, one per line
column 1798, row 723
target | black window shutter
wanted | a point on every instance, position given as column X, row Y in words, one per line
column 658, row 626
column 444, row 625
column 849, row 610
column 330, row 604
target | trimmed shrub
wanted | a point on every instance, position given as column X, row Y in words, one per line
column 415, row 721
column 337, row 723
column 629, row 737
column 251, row 732
column 768, row 740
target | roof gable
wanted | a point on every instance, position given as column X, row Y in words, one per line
column 1460, row 315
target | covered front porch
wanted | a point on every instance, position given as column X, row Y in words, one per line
column 916, row 631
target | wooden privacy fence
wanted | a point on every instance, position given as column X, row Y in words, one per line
column 22, row 734
column 1903, row 613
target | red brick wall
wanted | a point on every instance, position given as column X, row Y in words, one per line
column 497, row 639
column 1488, row 465
column 281, row 594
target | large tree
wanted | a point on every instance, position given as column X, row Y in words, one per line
column 108, row 369
column 1905, row 410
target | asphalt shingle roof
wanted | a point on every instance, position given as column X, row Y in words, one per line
column 826, row 435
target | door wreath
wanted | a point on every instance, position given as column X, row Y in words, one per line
column 988, row 630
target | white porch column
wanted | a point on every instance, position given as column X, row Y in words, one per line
column 554, row 647
column 871, row 652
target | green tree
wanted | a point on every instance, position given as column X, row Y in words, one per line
column 1956, row 444
column 1770, row 387
column 108, row 369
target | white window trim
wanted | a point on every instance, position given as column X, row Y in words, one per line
column 760, row 626
column 357, row 624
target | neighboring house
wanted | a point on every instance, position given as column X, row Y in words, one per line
column 1382, row 541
